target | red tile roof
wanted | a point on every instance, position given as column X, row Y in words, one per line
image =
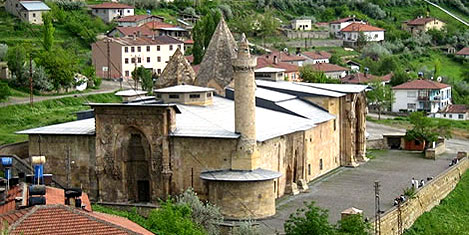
column 263, row 62
column 111, row 5
column 322, row 24
column 60, row 219
column 189, row 41
column 341, row 20
column 129, row 31
column 159, row 25
column 420, row 21
column 159, row 40
column 190, row 59
column 317, row 55
column 357, row 27
column 196, row 68
column 326, row 67
column 360, row 78
column 133, row 18
column 456, row 108
column 464, row 51
column 421, row 84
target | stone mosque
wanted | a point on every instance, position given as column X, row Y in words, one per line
column 240, row 143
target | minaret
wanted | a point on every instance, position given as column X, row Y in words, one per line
column 246, row 155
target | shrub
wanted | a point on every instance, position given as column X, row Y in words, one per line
column 204, row 214
column 4, row 91
column 3, row 51
column 375, row 51
column 246, row 228
column 354, row 224
column 309, row 220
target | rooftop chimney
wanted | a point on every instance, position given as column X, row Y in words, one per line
column 246, row 155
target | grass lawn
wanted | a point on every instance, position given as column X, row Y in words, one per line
column 450, row 217
column 19, row 117
column 449, row 67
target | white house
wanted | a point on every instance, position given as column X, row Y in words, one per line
column 301, row 24
column 337, row 25
column 108, row 11
column 454, row 112
column 28, row 11
column 270, row 73
column 421, row 95
column 316, row 57
column 351, row 33
column 127, row 53
column 463, row 52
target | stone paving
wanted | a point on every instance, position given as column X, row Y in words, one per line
column 347, row 187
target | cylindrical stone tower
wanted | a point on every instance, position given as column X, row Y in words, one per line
column 245, row 108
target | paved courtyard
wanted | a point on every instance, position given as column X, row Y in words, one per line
column 347, row 187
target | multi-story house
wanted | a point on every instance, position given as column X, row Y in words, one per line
column 422, row 24
column 137, row 20
column 351, row 33
column 301, row 24
column 316, row 57
column 331, row 70
column 108, row 11
column 337, row 25
column 421, row 95
column 28, row 11
column 118, row 57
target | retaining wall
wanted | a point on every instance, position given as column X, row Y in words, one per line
column 425, row 199
column 20, row 149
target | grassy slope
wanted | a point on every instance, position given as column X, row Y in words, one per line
column 449, row 67
column 19, row 117
column 450, row 217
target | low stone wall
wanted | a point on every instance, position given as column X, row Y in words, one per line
column 20, row 149
column 376, row 144
column 433, row 153
column 425, row 199
column 142, row 209
column 306, row 34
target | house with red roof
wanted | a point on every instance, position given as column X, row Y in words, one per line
column 161, row 28
column 108, row 11
column 421, row 95
column 422, row 24
column 331, row 70
column 463, row 52
column 454, row 112
column 337, row 25
column 137, row 20
column 365, row 78
column 351, row 33
column 316, row 57
column 291, row 71
column 286, row 57
column 119, row 32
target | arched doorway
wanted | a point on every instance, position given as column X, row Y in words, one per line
column 137, row 167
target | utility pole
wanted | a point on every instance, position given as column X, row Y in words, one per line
column 108, row 59
column 31, row 80
column 377, row 209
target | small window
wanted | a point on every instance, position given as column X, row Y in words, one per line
column 128, row 11
column 148, row 48
column 209, row 94
column 148, row 59
column 139, row 49
column 170, row 47
column 444, row 115
column 127, row 73
column 320, row 164
column 460, row 116
column 179, row 46
column 158, row 48
column 309, row 169
column 34, row 14
column 335, row 124
column 126, row 49
column 411, row 94
column 194, row 96
column 139, row 60
column 411, row 106
column 451, row 116
column 132, row 49
column 158, row 59
column 174, row 96
column 126, row 60
column 133, row 60
column 158, row 96
column 159, row 71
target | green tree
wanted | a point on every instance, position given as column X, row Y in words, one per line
column 361, row 40
column 145, row 78
column 427, row 129
column 311, row 220
column 16, row 57
column 172, row 219
column 354, row 224
column 308, row 74
column 60, row 66
column 437, row 68
column 4, row 91
column 203, row 32
column 399, row 77
column 335, row 59
column 48, row 32
column 381, row 96
column 268, row 25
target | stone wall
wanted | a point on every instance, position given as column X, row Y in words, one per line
column 376, row 144
column 20, row 149
column 306, row 34
column 425, row 199
column 433, row 153
column 70, row 158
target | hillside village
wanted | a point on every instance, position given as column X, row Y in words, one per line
column 227, row 117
